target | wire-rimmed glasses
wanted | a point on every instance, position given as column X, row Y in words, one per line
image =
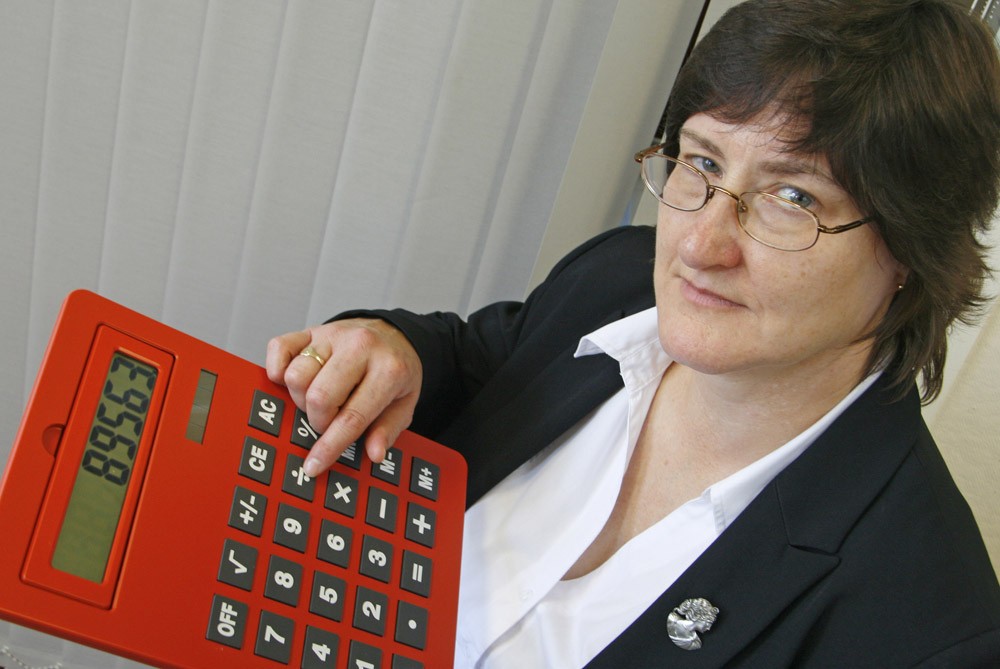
column 771, row 220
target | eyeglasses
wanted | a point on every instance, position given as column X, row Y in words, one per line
column 771, row 220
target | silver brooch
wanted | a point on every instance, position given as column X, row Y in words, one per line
column 691, row 617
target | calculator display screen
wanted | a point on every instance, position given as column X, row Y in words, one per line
column 95, row 504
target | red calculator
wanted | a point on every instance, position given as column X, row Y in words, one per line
column 155, row 506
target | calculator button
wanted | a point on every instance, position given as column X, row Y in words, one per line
column 257, row 461
column 376, row 558
column 363, row 656
column 388, row 469
column 381, row 509
column 239, row 562
column 265, row 415
column 424, row 479
column 327, row 597
column 400, row 662
column 420, row 522
column 416, row 574
column 370, row 610
column 303, row 433
column 247, row 512
column 291, row 529
column 342, row 493
column 228, row 621
column 274, row 637
column 335, row 543
column 411, row 625
column 296, row 482
column 320, row 650
column 283, row 581
column 351, row 456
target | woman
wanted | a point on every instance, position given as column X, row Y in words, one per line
column 716, row 456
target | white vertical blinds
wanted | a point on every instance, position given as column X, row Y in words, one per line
column 239, row 168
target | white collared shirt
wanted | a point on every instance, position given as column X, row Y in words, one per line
column 524, row 534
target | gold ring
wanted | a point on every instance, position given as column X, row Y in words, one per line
column 310, row 352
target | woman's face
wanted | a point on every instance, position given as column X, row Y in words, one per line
column 729, row 304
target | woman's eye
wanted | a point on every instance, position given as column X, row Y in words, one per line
column 799, row 197
column 706, row 165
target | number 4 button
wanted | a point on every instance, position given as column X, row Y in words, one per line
column 321, row 649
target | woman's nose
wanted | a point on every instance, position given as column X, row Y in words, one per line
column 712, row 235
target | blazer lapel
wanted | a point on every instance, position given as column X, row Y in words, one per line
column 751, row 574
column 558, row 396
column 784, row 543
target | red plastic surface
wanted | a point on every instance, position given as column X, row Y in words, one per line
column 155, row 602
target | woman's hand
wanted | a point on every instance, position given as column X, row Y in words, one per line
column 369, row 381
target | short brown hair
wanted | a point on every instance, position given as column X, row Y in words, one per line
column 903, row 99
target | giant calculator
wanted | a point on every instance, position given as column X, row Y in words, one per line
column 155, row 506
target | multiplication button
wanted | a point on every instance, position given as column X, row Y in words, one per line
column 342, row 493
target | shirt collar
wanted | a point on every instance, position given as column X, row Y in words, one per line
column 634, row 342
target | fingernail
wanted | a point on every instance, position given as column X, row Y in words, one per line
column 312, row 467
column 376, row 453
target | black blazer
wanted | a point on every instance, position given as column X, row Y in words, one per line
column 861, row 553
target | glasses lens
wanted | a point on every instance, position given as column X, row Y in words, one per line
column 777, row 222
column 674, row 183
